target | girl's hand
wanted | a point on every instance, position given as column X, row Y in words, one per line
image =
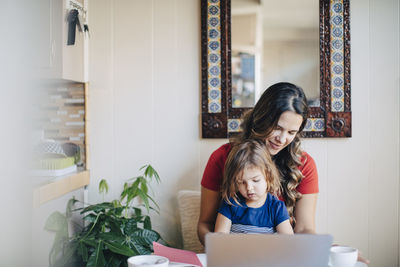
column 284, row 228
column 223, row 224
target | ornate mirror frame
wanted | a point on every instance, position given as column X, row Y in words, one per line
column 331, row 119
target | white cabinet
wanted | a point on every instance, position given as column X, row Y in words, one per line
column 56, row 59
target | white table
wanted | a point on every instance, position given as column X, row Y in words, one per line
column 203, row 259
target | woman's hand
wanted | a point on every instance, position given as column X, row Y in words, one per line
column 362, row 259
column 209, row 203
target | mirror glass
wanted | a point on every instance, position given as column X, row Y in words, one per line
column 274, row 41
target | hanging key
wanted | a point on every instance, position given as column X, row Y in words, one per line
column 73, row 20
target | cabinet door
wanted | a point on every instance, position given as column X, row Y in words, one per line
column 48, row 59
column 56, row 59
column 73, row 56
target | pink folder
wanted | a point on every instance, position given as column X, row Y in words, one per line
column 176, row 255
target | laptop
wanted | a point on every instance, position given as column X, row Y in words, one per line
column 276, row 250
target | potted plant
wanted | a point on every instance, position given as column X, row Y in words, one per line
column 113, row 230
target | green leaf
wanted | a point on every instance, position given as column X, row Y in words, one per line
column 130, row 226
column 151, row 172
column 138, row 240
column 147, row 223
column 133, row 178
column 124, row 191
column 154, row 202
column 89, row 241
column 98, row 225
column 103, row 186
column 149, row 234
column 68, row 255
column 96, row 259
column 101, row 207
column 132, row 190
column 115, row 226
column 114, row 237
column 145, row 199
column 142, row 250
column 132, row 193
column 118, row 248
column 56, row 222
column 143, row 186
column 138, row 211
column 132, row 246
column 136, row 183
column 70, row 206
column 157, row 176
column 83, row 251
column 116, row 203
column 57, row 248
column 141, row 168
column 91, row 217
column 148, row 172
column 113, row 261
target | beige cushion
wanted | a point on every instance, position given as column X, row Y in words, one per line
column 189, row 211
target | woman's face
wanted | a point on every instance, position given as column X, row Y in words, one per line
column 288, row 125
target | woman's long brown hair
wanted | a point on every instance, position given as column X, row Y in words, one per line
column 259, row 123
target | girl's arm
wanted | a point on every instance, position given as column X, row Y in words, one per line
column 223, row 224
column 209, row 203
column 305, row 214
column 284, row 228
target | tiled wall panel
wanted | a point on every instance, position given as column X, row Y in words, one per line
column 61, row 113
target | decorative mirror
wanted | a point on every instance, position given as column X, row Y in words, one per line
column 235, row 71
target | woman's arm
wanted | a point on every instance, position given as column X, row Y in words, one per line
column 209, row 203
column 284, row 228
column 305, row 214
column 223, row 224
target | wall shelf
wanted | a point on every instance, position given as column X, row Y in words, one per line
column 60, row 186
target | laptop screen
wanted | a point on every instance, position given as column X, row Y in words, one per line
column 244, row 250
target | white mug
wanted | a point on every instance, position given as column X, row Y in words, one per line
column 342, row 256
column 148, row 261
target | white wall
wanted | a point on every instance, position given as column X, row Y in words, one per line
column 15, row 116
column 145, row 108
column 42, row 240
column 292, row 60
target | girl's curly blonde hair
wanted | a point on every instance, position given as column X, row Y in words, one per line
column 248, row 154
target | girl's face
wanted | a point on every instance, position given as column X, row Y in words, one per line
column 253, row 185
column 288, row 125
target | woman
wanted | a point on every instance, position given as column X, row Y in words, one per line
column 277, row 119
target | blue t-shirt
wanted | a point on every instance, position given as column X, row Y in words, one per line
column 255, row 220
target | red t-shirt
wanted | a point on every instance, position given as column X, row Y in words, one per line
column 213, row 174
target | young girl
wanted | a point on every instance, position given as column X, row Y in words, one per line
column 250, row 182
